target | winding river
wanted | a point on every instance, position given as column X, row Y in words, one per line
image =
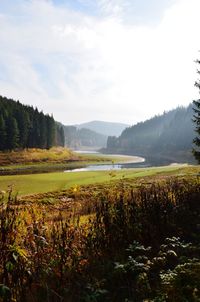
column 128, row 162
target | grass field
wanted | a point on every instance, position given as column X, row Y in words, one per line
column 41, row 183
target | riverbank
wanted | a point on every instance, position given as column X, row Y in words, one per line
column 48, row 182
column 34, row 161
column 156, row 158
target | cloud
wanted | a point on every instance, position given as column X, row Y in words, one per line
column 82, row 67
column 112, row 7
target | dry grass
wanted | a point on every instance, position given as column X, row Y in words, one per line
column 28, row 156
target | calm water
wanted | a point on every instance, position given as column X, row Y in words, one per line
column 131, row 162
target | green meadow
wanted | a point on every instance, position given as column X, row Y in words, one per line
column 45, row 182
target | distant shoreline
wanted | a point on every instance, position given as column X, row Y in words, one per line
column 128, row 159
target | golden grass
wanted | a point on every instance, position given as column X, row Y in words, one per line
column 28, row 156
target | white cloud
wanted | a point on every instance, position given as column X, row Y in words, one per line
column 111, row 7
column 82, row 68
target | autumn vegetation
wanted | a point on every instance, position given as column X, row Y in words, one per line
column 124, row 241
column 34, row 155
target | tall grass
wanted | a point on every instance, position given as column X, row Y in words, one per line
column 136, row 245
column 148, row 214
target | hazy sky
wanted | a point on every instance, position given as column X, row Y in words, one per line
column 112, row 60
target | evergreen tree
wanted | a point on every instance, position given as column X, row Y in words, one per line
column 43, row 131
column 196, row 119
column 12, row 134
column 25, row 127
column 2, row 133
column 36, row 129
column 51, row 131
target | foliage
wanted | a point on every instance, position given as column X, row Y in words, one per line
column 136, row 245
column 160, row 139
column 25, row 127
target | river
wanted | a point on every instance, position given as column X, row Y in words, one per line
column 127, row 162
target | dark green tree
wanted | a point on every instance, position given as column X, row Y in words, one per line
column 196, row 119
column 36, row 129
column 12, row 134
column 23, row 126
column 43, row 131
column 2, row 133
column 51, row 129
column 23, row 123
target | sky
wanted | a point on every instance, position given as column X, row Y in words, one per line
column 111, row 60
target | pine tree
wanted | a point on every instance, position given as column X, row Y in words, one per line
column 2, row 133
column 43, row 131
column 196, row 119
column 51, row 131
column 36, row 129
column 23, row 125
column 12, row 134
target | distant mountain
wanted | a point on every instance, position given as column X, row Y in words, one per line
column 83, row 138
column 105, row 128
column 162, row 139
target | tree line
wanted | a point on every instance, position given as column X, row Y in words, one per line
column 23, row 126
column 163, row 136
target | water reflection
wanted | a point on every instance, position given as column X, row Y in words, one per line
column 97, row 168
column 109, row 167
column 131, row 162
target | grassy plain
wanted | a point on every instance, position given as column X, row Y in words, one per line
column 41, row 183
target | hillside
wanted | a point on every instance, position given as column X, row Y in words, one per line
column 23, row 127
column 105, row 128
column 162, row 139
column 83, row 138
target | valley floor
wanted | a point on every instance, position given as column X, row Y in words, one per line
column 101, row 236
column 44, row 182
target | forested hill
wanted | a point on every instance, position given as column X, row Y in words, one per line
column 83, row 138
column 161, row 139
column 105, row 128
column 91, row 135
column 23, row 126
